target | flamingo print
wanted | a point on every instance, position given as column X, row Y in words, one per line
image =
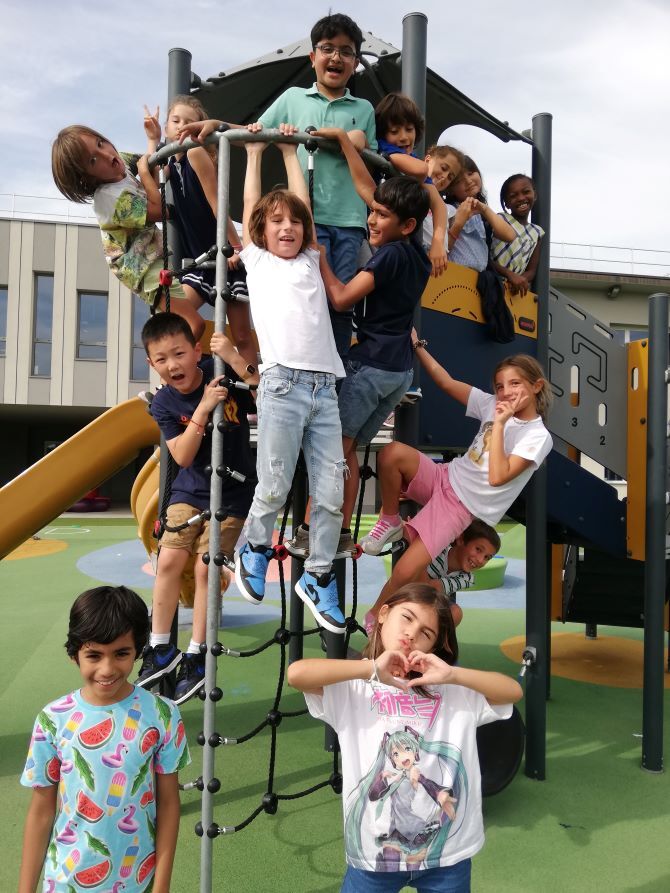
column 114, row 758
column 68, row 834
column 128, row 824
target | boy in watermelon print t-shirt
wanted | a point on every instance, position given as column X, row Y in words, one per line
column 103, row 763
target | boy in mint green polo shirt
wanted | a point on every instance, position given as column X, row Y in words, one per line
column 339, row 214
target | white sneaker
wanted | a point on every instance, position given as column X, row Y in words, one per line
column 381, row 534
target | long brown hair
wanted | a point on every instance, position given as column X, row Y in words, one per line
column 446, row 644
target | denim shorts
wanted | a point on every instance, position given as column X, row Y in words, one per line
column 367, row 396
column 450, row 879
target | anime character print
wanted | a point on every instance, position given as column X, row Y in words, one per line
column 414, row 813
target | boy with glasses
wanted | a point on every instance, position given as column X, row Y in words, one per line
column 339, row 214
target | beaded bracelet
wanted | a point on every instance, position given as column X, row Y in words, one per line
column 422, row 342
column 201, row 428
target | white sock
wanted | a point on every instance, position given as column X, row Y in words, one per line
column 193, row 647
column 159, row 639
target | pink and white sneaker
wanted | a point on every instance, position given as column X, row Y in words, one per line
column 381, row 534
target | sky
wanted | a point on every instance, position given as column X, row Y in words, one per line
column 600, row 68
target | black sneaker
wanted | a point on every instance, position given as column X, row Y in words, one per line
column 157, row 662
column 190, row 678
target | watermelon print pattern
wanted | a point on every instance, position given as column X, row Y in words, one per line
column 106, row 785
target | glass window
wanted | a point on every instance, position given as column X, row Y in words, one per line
column 92, row 329
column 139, row 368
column 3, row 320
column 42, row 324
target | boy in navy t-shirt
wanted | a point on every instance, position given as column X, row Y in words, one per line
column 182, row 409
column 384, row 295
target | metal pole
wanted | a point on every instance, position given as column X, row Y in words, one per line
column 537, row 613
column 654, row 574
column 413, row 84
column 296, row 607
column 214, row 575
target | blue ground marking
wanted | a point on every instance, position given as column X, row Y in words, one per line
column 121, row 565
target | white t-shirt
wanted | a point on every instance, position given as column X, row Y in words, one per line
column 290, row 311
column 411, row 777
column 469, row 474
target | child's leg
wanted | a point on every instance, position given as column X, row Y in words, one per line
column 351, row 480
column 397, row 465
column 283, row 408
column 322, row 446
column 171, row 564
column 409, row 568
column 240, row 327
column 186, row 307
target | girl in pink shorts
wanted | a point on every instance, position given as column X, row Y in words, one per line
column 511, row 443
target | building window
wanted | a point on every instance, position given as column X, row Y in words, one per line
column 139, row 368
column 42, row 325
column 3, row 320
column 92, row 326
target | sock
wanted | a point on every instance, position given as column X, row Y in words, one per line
column 193, row 647
column 305, row 526
column 159, row 639
column 345, row 530
column 393, row 520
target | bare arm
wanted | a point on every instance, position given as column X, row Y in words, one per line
column 312, row 674
column 496, row 687
column 503, row 468
column 167, row 828
column 344, row 295
column 437, row 253
column 531, row 270
column 201, row 162
column 185, row 446
column 36, row 834
column 459, row 390
column 411, row 167
column 363, row 180
column 252, row 186
column 501, row 228
column 222, row 347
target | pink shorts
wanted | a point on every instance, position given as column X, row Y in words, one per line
column 443, row 516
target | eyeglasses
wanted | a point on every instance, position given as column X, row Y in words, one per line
column 329, row 50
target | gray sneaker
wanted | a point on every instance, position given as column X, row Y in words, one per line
column 299, row 545
column 346, row 547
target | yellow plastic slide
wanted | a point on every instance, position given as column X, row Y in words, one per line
column 53, row 484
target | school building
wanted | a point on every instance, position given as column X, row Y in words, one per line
column 70, row 333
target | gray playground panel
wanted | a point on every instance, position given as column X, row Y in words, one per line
column 584, row 357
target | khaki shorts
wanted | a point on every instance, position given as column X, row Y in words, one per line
column 195, row 537
column 151, row 281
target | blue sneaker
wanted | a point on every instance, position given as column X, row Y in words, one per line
column 190, row 678
column 320, row 596
column 251, row 567
column 156, row 663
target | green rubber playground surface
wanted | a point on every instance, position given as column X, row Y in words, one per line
column 597, row 823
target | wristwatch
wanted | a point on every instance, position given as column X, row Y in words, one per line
column 250, row 370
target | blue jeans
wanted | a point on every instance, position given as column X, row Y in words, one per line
column 342, row 244
column 298, row 409
column 367, row 396
column 452, row 879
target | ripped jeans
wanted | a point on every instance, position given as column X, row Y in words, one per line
column 298, row 409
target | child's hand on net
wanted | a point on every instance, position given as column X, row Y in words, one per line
column 214, row 394
column 152, row 127
column 221, row 346
column 234, row 262
column 432, row 669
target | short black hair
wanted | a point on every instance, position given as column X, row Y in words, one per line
column 508, row 182
column 160, row 325
column 103, row 614
column 332, row 25
column 478, row 529
column 398, row 109
column 405, row 197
